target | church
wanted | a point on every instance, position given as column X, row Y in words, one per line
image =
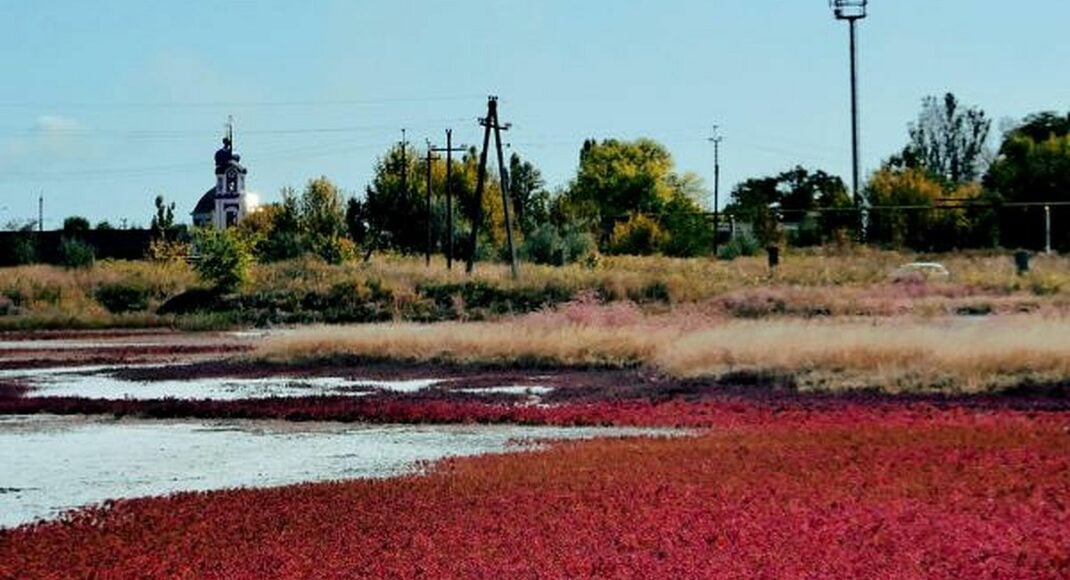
column 226, row 203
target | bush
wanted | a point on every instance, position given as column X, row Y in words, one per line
column 121, row 297
column 640, row 236
column 224, row 260
column 739, row 245
column 556, row 247
column 167, row 251
column 75, row 253
column 19, row 250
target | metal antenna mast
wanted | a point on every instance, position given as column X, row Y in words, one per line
column 852, row 11
column 716, row 140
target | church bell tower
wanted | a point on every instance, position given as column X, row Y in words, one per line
column 230, row 199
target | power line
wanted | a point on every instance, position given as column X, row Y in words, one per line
column 234, row 104
column 167, row 134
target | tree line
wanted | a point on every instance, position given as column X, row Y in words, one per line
column 944, row 190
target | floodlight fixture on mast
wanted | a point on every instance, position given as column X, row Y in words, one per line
column 852, row 11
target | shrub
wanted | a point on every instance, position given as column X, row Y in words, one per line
column 640, row 235
column 118, row 297
column 167, row 251
column 740, row 245
column 224, row 259
column 556, row 246
column 75, row 253
column 21, row 249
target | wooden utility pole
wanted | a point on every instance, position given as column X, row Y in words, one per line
column 448, row 149
column 490, row 122
column 427, row 250
column 404, row 166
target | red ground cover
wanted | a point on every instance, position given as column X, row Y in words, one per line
column 877, row 491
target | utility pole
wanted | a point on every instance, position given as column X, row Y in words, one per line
column 1047, row 229
column 490, row 122
column 40, row 212
column 404, row 165
column 716, row 140
column 448, row 149
column 427, row 249
column 852, row 11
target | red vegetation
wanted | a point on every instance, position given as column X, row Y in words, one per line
column 837, row 491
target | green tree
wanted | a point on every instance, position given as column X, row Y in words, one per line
column 282, row 240
column 1033, row 166
column 75, row 226
column 528, row 195
column 793, row 197
column 948, row 140
column 684, row 218
column 357, row 221
column 322, row 221
column 396, row 217
column 224, row 259
column 618, row 179
column 934, row 217
column 163, row 220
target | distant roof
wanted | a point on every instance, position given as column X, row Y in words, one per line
column 206, row 204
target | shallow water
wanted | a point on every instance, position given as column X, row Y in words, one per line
column 52, row 463
column 100, row 382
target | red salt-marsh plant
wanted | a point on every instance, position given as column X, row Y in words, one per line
column 836, row 493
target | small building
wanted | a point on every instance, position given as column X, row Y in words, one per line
column 227, row 203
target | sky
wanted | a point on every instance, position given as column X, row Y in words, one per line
column 106, row 104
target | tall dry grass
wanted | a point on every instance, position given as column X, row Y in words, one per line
column 54, row 297
column 892, row 355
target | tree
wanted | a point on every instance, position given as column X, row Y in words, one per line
column 683, row 218
column 617, row 179
column 1033, row 166
column 224, row 258
column 322, row 221
column 282, row 240
column 395, row 209
column 396, row 218
column 793, row 197
column 1042, row 126
column 163, row 220
column 357, row 221
column 948, row 140
column 75, row 226
column 528, row 195
column 934, row 217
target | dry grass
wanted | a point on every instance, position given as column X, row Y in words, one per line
column 896, row 355
column 42, row 296
column 468, row 343
column 820, row 282
column 893, row 355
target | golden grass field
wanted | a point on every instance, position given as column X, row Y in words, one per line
column 830, row 319
column 891, row 355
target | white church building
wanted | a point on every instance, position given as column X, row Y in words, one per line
column 227, row 203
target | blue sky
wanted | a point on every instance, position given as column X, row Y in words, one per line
column 105, row 104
